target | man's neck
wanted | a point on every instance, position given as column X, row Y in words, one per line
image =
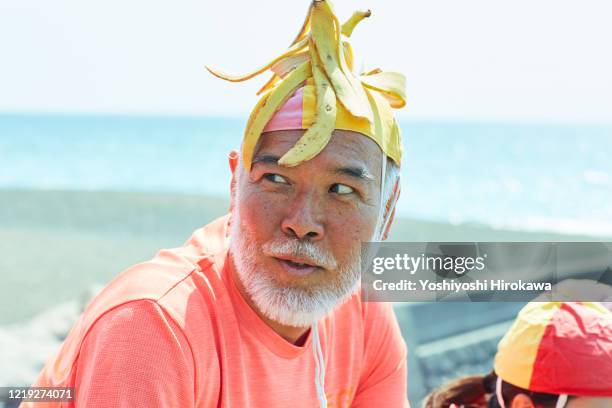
column 294, row 335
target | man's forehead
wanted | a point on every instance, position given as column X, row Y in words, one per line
column 346, row 149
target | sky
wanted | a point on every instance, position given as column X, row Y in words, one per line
column 527, row 60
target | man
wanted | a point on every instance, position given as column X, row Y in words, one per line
column 260, row 308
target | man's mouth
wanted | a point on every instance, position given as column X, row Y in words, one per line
column 297, row 266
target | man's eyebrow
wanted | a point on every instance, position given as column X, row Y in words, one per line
column 356, row 172
column 266, row 158
column 351, row 171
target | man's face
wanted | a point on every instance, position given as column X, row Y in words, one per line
column 297, row 231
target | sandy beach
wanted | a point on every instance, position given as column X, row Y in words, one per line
column 56, row 244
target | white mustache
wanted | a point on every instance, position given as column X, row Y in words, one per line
column 303, row 250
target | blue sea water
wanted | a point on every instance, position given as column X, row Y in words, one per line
column 525, row 176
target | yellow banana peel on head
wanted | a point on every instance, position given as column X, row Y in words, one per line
column 316, row 74
column 318, row 135
column 326, row 38
column 271, row 104
column 392, row 85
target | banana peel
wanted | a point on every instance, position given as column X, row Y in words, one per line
column 392, row 85
column 297, row 47
column 274, row 79
column 321, row 52
column 318, row 135
column 326, row 37
column 351, row 23
column 273, row 102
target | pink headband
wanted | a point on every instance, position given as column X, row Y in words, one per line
column 289, row 116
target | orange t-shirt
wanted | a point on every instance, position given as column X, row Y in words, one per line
column 175, row 332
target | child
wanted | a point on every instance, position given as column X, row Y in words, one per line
column 555, row 355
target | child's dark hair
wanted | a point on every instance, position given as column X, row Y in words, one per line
column 479, row 392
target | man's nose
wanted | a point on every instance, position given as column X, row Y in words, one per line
column 303, row 218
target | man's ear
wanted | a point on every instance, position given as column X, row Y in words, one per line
column 388, row 226
column 522, row 401
column 390, row 210
column 233, row 159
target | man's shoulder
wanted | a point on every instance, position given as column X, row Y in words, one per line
column 368, row 311
column 365, row 317
column 173, row 278
column 164, row 293
column 169, row 268
column 373, row 311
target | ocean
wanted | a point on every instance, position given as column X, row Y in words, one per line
column 526, row 176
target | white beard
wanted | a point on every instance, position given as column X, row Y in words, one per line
column 290, row 305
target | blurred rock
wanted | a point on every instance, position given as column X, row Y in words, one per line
column 25, row 347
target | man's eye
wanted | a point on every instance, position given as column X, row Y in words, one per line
column 341, row 189
column 275, row 178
